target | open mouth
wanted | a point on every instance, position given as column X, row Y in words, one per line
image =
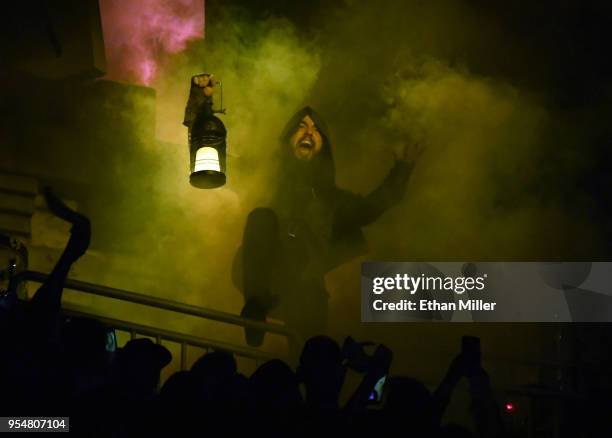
column 306, row 144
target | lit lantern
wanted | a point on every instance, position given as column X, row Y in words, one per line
column 207, row 135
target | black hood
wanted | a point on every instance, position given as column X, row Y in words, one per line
column 294, row 122
column 319, row 172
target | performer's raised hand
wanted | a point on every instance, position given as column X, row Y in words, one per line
column 409, row 153
column 48, row 298
column 80, row 233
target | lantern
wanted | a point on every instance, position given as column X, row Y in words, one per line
column 207, row 135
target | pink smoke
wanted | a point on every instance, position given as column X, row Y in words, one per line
column 139, row 35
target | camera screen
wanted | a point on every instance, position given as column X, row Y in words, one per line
column 377, row 392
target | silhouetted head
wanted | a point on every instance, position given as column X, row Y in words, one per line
column 321, row 371
column 214, row 368
column 276, row 385
column 180, row 389
column 454, row 431
column 238, row 394
column 409, row 399
column 404, row 392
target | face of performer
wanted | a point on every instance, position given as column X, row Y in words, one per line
column 306, row 141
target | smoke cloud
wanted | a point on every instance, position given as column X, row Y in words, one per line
column 430, row 72
column 139, row 37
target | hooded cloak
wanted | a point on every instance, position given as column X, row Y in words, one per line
column 311, row 227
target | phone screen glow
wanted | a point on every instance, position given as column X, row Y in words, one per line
column 376, row 394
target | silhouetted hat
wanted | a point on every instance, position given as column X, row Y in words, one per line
column 144, row 351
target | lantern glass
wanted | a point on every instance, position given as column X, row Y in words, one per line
column 207, row 158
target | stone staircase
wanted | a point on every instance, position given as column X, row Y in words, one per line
column 17, row 198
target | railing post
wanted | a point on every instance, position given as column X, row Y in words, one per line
column 183, row 356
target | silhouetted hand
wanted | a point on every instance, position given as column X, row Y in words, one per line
column 381, row 361
column 80, row 233
column 457, row 368
column 355, row 355
column 409, row 153
column 79, row 240
column 479, row 380
column 463, row 366
column 377, row 367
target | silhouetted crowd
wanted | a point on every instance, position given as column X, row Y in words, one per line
column 54, row 365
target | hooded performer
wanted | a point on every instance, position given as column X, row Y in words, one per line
column 311, row 227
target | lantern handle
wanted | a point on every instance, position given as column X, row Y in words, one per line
column 221, row 110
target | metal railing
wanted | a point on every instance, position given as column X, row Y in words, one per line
column 184, row 340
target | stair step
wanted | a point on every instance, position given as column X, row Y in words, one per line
column 15, row 224
column 14, row 203
column 18, row 184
